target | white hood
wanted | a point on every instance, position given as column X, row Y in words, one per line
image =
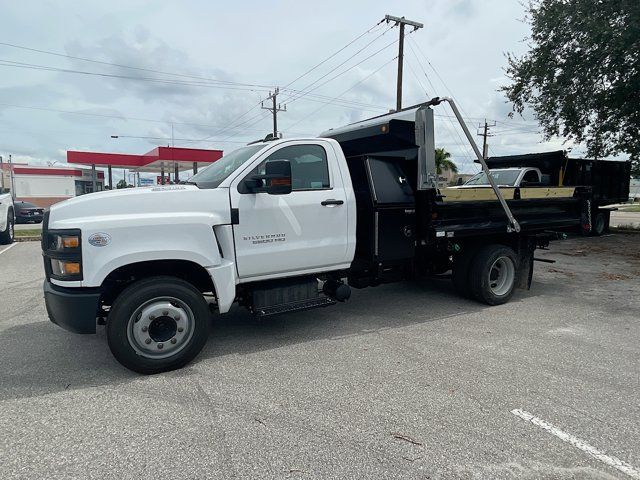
column 165, row 201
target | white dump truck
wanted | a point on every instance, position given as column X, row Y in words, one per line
column 286, row 225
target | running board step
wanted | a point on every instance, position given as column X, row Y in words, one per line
column 294, row 306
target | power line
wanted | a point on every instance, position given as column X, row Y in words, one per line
column 117, row 117
column 261, row 115
column 31, row 66
column 233, row 124
column 433, row 88
column 306, row 88
column 311, row 96
column 144, row 137
column 440, row 78
column 460, row 143
column 347, row 104
column 345, row 71
column 206, row 82
column 305, row 93
column 514, row 122
column 333, row 54
column 346, row 91
column 418, row 80
column 22, row 47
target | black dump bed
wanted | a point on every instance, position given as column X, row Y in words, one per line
column 393, row 215
column 469, row 218
column 608, row 179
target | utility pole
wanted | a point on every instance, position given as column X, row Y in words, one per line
column 1, row 176
column 12, row 182
column 402, row 22
column 274, row 109
column 485, row 134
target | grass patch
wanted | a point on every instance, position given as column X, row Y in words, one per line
column 630, row 208
column 32, row 232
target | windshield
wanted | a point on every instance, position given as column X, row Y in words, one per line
column 214, row 175
column 501, row 177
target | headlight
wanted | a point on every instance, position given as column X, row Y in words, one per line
column 62, row 243
column 62, row 251
column 62, row 268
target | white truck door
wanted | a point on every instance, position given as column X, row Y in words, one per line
column 305, row 230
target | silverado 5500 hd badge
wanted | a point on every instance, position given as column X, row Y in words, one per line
column 267, row 238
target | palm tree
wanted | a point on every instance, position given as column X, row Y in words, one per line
column 444, row 162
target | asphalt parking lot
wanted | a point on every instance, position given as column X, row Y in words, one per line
column 403, row 381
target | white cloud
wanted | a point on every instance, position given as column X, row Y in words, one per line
column 241, row 42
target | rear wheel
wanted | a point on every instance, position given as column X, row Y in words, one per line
column 8, row 235
column 599, row 225
column 158, row 324
column 493, row 274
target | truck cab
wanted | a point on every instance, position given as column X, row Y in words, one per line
column 265, row 212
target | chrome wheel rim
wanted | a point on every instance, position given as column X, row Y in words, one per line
column 11, row 230
column 160, row 327
column 501, row 276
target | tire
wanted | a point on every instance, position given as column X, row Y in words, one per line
column 599, row 225
column 493, row 274
column 460, row 275
column 8, row 235
column 158, row 324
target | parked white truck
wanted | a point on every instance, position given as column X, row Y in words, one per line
column 507, row 177
column 285, row 225
column 7, row 217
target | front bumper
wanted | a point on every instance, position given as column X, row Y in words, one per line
column 29, row 218
column 74, row 309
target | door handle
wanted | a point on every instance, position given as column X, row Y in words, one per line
column 331, row 201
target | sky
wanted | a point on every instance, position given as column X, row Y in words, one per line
column 200, row 69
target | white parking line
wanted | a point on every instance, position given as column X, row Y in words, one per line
column 10, row 246
column 576, row 442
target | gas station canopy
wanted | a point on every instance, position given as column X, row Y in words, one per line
column 157, row 160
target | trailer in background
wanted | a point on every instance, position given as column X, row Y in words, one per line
column 609, row 181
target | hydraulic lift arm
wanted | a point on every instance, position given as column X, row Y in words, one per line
column 513, row 226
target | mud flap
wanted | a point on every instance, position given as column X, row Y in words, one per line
column 525, row 266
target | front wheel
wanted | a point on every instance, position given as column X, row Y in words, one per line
column 493, row 274
column 158, row 324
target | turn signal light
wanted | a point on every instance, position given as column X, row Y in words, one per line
column 70, row 242
column 71, row 268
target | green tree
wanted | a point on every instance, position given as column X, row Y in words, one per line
column 121, row 184
column 581, row 75
column 444, row 162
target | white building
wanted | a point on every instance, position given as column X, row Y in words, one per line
column 44, row 186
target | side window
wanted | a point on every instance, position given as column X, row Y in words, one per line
column 309, row 168
column 531, row 177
